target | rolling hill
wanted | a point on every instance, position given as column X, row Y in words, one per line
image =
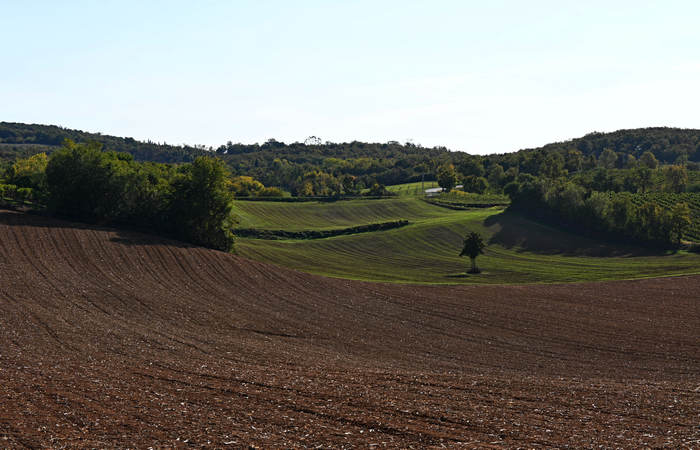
column 120, row 339
column 426, row 251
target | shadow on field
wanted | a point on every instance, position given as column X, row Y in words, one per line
column 513, row 231
column 124, row 235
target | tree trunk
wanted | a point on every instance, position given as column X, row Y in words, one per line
column 474, row 269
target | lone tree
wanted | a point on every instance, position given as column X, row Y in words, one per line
column 473, row 247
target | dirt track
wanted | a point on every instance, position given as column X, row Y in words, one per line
column 120, row 339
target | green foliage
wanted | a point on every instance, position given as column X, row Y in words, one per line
column 496, row 178
column 676, row 178
column 192, row 203
column 673, row 206
column 201, row 204
column 648, row 160
column 447, row 177
column 666, row 145
column 29, row 172
column 472, row 165
column 467, row 200
column 628, row 216
column 573, row 161
column 271, row 191
column 8, row 194
column 26, row 139
column 83, row 182
column 643, row 177
column 378, row 190
column 314, row 168
column 520, row 250
column 416, row 189
column 12, row 195
column 473, row 246
column 332, row 215
column 24, row 194
column 477, row 185
column 243, row 186
column 607, row 159
column 318, row 234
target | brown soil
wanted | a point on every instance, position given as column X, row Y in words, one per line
column 120, row 339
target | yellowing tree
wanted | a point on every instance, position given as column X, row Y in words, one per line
column 29, row 172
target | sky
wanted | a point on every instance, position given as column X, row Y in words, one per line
column 477, row 76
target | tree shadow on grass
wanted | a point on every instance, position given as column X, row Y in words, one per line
column 516, row 232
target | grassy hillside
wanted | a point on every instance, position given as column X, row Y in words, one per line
column 330, row 215
column 416, row 189
column 519, row 251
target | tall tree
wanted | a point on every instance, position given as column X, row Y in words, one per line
column 676, row 178
column 472, row 183
column 607, row 159
column 447, row 177
column 496, row 176
column 574, row 160
column 680, row 221
column 202, row 204
column 552, row 166
column 79, row 182
column 473, row 247
column 649, row 160
column 643, row 177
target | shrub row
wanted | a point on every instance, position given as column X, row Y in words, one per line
column 317, row 234
column 463, row 206
column 311, row 198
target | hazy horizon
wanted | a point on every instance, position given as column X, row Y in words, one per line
column 478, row 77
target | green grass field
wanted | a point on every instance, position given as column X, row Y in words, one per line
column 412, row 189
column 519, row 250
column 329, row 215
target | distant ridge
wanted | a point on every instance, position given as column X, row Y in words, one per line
column 362, row 164
column 667, row 144
column 20, row 139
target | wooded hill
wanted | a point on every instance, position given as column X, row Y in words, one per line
column 668, row 145
column 22, row 140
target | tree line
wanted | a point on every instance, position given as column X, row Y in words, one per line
column 191, row 202
column 316, row 168
column 571, row 205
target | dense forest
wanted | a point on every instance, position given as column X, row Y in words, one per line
column 576, row 183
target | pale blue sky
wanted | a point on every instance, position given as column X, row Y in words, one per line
column 482, row 77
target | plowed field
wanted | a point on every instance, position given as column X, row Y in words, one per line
column 111, row 338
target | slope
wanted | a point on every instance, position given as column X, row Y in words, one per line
column 426, row 251
column 121, row 339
